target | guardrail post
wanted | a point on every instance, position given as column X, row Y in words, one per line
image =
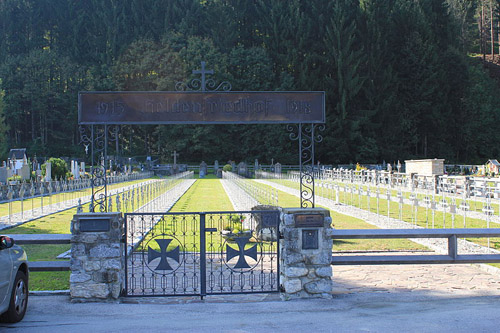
column 305, row 253
column 97, row 257
column 452, row 246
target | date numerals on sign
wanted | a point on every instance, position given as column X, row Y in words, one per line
column 298, row 107
column 110, row 108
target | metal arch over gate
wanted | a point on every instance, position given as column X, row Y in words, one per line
column 199, row 254
column 200, row 101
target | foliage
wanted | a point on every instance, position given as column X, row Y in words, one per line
column 227, row 167
column 59, row 168
column 396, row 74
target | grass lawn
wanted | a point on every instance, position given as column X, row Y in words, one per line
column 53, row 224
column 205, row 195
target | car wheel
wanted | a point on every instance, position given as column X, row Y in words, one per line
column 18, row 300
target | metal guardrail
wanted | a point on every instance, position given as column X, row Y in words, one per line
column 451, row 258
column 44, row 266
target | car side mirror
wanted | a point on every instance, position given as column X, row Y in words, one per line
column 6, row 242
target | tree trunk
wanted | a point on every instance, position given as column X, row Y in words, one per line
column 498, row 36
column 481, row 31
column 492, row 29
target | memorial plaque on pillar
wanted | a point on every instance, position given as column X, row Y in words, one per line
column 94, row 225
column 310, row 239
column 309, row 220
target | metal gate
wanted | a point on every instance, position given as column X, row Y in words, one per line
column 198, row 254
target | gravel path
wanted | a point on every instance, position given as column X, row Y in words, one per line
column 240, row 199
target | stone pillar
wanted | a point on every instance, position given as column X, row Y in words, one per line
column 97, row 257
column 305, row 253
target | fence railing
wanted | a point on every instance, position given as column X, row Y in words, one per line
column 264, row 196
column 44, row 266
column 23, row 190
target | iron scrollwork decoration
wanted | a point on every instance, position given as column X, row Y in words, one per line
column 203, row 84
column 307, row 135
column 96, row 137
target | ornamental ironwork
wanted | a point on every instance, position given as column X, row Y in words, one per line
column 200, row 253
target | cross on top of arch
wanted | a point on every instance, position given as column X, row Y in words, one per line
column 203, row 84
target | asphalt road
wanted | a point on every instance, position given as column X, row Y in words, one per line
column 350, row 312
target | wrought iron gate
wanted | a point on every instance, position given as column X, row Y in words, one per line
column 198, row 254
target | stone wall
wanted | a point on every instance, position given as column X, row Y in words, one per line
column 97, row 257
column 305, row 271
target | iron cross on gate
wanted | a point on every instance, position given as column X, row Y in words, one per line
column 163, row 255
column 241, row 252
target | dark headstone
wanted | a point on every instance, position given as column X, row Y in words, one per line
column 242, row 169
column 277, row 168
column 203, row 169
column 3, row 175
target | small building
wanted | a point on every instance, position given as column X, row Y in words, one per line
column 492, row 167
column 16, row 159
column 428, row 167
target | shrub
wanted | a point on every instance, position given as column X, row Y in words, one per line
column 227, row 167
column 59, row 168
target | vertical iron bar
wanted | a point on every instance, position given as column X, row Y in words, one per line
column 104, row 165
column 203, row 255
column 300, row 165
column 126, row 258
column 312, row 163
column 92, row 202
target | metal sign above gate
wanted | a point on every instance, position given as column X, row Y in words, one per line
column 200, row 101
column 166, row 107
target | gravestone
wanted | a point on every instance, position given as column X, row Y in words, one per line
column 76, row 174
column 3, row 175
column 25, row 172
column 233, row 166
column 82, row 168
column 216, row 167
column 277, row 168
column 242, row 169
column 203, row 169
column 38, row 173
column 256, row 165
column 35, row 163
column 48, row 172
column 219, row 173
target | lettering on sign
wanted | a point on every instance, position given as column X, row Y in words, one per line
column 200, row 107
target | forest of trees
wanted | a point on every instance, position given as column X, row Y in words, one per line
column 403, row 78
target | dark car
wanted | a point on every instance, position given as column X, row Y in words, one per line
column 13, row 281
